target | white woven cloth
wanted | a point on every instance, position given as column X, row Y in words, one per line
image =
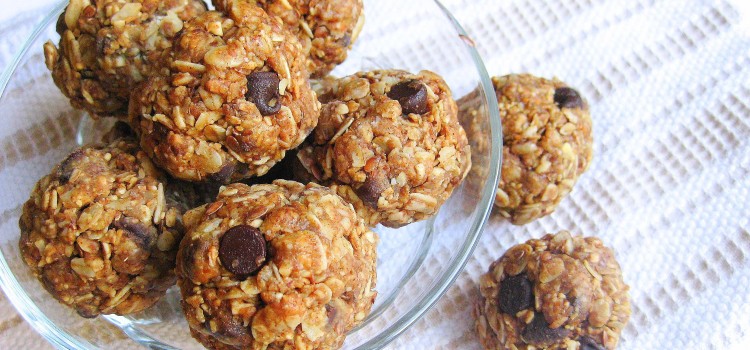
column 668, row 83
column 669, row 188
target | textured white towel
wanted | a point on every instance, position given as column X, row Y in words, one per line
column 669, row 87
column 668, row 83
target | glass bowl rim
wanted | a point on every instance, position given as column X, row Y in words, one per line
column 61, row 339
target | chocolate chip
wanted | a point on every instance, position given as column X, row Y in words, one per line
column 131, row 254
column 159, row 131
column 242, row 250
column 236, row 142
column 516, row 294
column 589, row 344
column 103, row 44
column 579, row 304
column 227, row 326
column 135, row 231
column 60, row 26
column 337, row 315
column 65, row 170
column 345, row 40
column 223, row 175
column 87, row 310
column 412, row 95
column 370, row 190
column 566, row 97
column 538, row 333
column 263, row 91
column 304, row 167
column 60, row 280
column 195, row 249
column 242, row 169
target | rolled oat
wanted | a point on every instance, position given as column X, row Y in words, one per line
column 389, row 142
column 557, row 292
column 276, row 266
column 235, row 100
column 108, row 46
column 101, row 231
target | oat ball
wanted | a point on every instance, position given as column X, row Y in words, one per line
column 108, row 46
column 101, row 231
column 389, row 142
column 276, row 266
column 236, row 99
column 557, row 292
column 327, row 29
column 547, row 144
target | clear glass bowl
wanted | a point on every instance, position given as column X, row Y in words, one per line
column 416, row 264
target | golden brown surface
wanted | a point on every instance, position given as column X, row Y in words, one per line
column 327, row 29
column 577, row 296
column 108, row 46
column 546, row 147
column 317, row 281
column 395, row 167
column 99, row 231
column 200, row 124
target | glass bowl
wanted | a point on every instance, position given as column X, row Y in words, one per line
column 416, row 264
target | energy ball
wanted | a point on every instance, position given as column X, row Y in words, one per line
column 276, row 266
column 236, row 99
column 327, row 29
column 547, row 144
column 389, row 142
column 101, row 233
column 108, row 46
column 557, row 292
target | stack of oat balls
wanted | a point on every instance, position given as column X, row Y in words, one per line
column 227, row 174
column 231, row 177
column 559, row 291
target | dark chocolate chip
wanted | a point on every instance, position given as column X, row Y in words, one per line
column 412, row 95
column 589, row 344
column 332, row 313
column 370, row 190
column 227, row 327
column 579, row 302
column 304, row 167
column 65, row 170
column 103, row 44
column 159, row 131
column 538, row 333
column 135, row 231
column 337, row 319
column 237, row 143
column 242, row 250
column 130, row 255
column 194, row 249
column 242, row 169
column 60, row 26
column 345, row 40
column 87, row 310
column 59, row 279
column 566, row 97
column 516, row 294
column 263, row 91
column 223, row 175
